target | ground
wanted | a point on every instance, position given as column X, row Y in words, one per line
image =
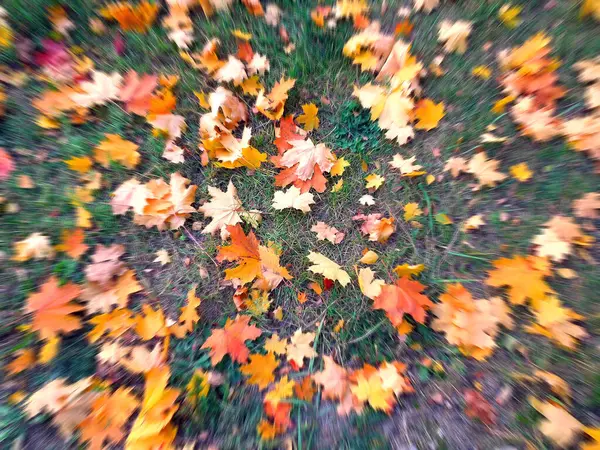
column 325, row 77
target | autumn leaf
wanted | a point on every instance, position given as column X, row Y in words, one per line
column 477, row 407
column 151, row 323
column 407, row 270
column 299, row 347
column 49, row 350
column 374, row 181
column 332, row 379
column 369, row 257
column 115, row 148
column 225, row 208
column 456, row 165
column 25, row 360
column 454, row 35
column 587, row 205
column 79, row 164
column 509, row 15
column 53, row 310
column 428, row 114
column 376, row 227
column 403, row 297
column 486, row 171
column 326, row 232
column 54, row 396
column 369, row 285
column 188, row 317
column 293, row 198
column 152, row 425
column 559, row 426
column 101, row 89
column 136, row 92
column 305, row 390
column 473, row 223
column 309, row 118
column 261, row 370
column 306, row 157
column 275, row 345
column 521, row 172
column 36, row 246
column 231, row 340
column 73, row 243
column 282, row 390
column 369, row 388
column 412, row 210
column 130, row 17
column 426, row 5
column 406, row 166
column 329, row 269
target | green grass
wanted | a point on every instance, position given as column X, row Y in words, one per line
column 324, row 76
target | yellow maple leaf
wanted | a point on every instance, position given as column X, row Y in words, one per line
column 428, row 114
column 79, row 164
column 283, row 389
column 328, row 268
column 374, row 181
column 509, row 15
column 521, row 172
column 250, row 86
column 115, row 148
column 339, row 167
column 260, row 369
column 309, row 118
column 412, row 210
column 276, row 345
column 482, row 72
column 83, row 218
column 49, row 350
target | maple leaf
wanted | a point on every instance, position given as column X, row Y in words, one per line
column 509, row 15
column 326, row 232
column 151, row 323
column 425, row 5
column 456, row 165
column 115, row 148
column 409, row 270
column 332, row 379
column 556, row 322
column 369, row 388
column 339, row 167
column 406, row 166
column 79, row 164
column 587, row 205
column 7, row 164
column 403, row 297
column 305, row 390
column 293, row 198
column 136, row 92
column 109, row 414
column 299, row 348
column 49, row 350
column 231, row 340
column 275, row 345
column 152, row 426
column 428, row 114
column 55, row 396
column 477, row 407
column 162, row 257
column 25, row 360
column 114, row 323
column 36, row 246
column 369, row 285
column 244, row 250
column 233, row 70
column 52, row 308
column 224, row 209
column 139, row 359
column 550, row 244
column 560, row 426
column 412, row 210
column 309, row 118
column 105, row 263
column 367, row 200
column 524, row 279
column 282, row 390
column 260, row 369
column 328, row 268
column 351, row 8
column 374, row 181
column 485, row 170
column 189, row 317
column 454, row 35
column 473, row 223
column 521, row 172
column 130, row 17
column 100, row 90
column 376, row 227
column 307, row 156
column 73, row 243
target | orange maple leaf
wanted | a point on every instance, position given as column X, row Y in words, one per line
column 231, row 340
column 403, row 297
column 73, row 243
column 244, row 250
column 136, row 92
column 132, row 17
column 52, row 308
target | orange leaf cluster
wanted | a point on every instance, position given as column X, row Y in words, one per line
column 130, row 17
column 273, row 103
column 255, row 261
column 217, row 129
column 376, row 386
column 470, row 324
column 156, row 203
column 152, row 427
column 377, row 227
column 108, row 282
